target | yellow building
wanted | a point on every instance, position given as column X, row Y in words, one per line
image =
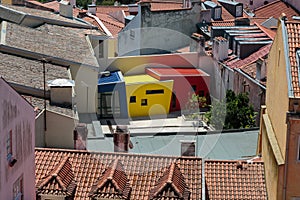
column 279, row 140
column 147, row 96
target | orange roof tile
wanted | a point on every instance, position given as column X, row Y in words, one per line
column 60, row 181
column 235, row 180
column 113, row 25
column 171, row 185
column 113, row 183
column 142, row 171
column 262, row 52
column 293, row 31
column 275, row 9
column 165, row 6
column 109, row 9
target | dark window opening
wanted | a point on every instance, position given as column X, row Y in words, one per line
column 266, row 2
column 188, row 148
column 144, row 102
column 194, row 88
column 101, row 49
column 161, row 91
column 251, row 2
column 173, row 100
column 201, row 93
column 132, row 99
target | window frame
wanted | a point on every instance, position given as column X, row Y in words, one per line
column 18, row 188
column 132, row 99
column 144, row 102
column 9, row 146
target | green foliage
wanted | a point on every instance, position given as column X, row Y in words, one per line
column 195, row 102
column 234, row 114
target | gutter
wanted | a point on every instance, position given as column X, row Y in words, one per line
column 250, row 78
column 107, row 32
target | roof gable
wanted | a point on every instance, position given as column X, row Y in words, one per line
column 60, row 180
column 171, row 185
column 113, row 183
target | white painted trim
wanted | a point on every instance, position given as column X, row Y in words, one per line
column 3, row 32
column 100, row 24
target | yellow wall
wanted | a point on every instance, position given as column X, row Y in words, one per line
column 157, row 104
column 271, row 167
column 7, row 2
column 277, row 98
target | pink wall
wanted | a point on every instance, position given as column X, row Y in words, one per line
column 183, row 87
column 16, row 116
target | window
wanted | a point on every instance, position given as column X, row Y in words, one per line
column 173, row 100
column 132, row 34
column 9, row 145
column 144, row 102
column 201, row 93
column 239, row 11
column 298, row 154
column 188, row 148
column 161, row 91
column 18, row 189
column 251, row 2
column 132, row 99
column 218, row 13
column 194, row 88
column 101, row 48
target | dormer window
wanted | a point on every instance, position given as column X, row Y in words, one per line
column 218, row 12
column 239, row 11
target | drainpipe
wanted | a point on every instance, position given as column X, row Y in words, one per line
column 286, row 157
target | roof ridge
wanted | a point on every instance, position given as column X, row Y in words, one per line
column 117, row 153
column 113, row 176
column 172, row 179
column 63, row 175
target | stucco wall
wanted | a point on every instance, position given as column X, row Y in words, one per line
column 167, row 30
column 134, row 65
column 277, row 93
column 59, row 133
column 157, row 104
column 271, row 167
column 294, row 3
column 17, row 116
column 293, row 167
column 40, row 130
column 256, row 3
column 86, row 79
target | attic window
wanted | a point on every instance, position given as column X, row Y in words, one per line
column 218, row 13
column 239, row 11
column 188, row 148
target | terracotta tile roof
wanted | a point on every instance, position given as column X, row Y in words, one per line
column 113, row 25
column 109, row 9
column 60, row 181
column 235, row 180
column 171, row 185
column 142, row 171
column 113, row 183
column 275, row 9
column 166, row 6
column 293, row 31
column 223, row 23
column 262, row 52
column 271, row 34
column 225, row 14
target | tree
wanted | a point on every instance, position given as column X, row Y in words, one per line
column 238, row 113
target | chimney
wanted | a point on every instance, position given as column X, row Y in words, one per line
column 121, row 139
column 73, row 3
column 61, row 92
column 220, row 48
column 197, row 43
column 65, row 9
column 80, row 135
column 92, row 8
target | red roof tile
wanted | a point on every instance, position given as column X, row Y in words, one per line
column 262, row 52
column 60, row 181
column 113, row 25
column 141, row 170
column 166, row 6
column 109, row 9
column 171, row 185
column 293, row 31
column 113, row 183
column 275, row 9
column 235, row 180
